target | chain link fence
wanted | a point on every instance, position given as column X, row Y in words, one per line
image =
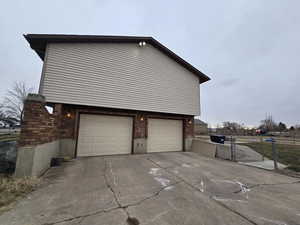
column 269, row 152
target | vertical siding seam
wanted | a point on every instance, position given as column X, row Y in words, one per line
column 41, row 87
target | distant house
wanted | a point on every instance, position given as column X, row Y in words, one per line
column 111, row 95
column 200, row 127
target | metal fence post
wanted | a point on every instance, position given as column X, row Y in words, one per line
column 263, row 154
column 275, row 154
column 232, row 149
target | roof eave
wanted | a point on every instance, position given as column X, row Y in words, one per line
column 38, row 43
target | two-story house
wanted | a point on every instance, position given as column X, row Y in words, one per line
column 112, row 95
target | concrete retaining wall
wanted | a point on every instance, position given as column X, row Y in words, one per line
column 210, row 149
column 204, row 148
column 223, row 152
column 188, row 142
column 42, row 157
column 139, row 145
column 66, row 147
column 35, row 160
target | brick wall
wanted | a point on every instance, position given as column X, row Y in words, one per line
column 69, row 124
column 188, row 124
column 140, row 126
column 38, row 126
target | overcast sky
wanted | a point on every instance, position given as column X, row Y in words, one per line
column 249, row 48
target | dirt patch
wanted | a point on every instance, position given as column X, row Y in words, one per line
column 13, row 188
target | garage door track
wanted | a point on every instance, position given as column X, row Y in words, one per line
column 162, row 188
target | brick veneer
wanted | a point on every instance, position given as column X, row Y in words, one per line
column 188, row 124
column 140, row 126
column 69, row 125
column 40, row 127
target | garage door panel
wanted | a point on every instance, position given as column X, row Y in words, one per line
column 164, row 135
column 104, row 135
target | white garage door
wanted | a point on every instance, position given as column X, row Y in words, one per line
column 164, row 135
column 104, row 135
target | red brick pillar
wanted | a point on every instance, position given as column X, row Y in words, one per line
column 188, row 127
column 38, row 125
column 38, row 142
column 140, row 126
column 140, row 134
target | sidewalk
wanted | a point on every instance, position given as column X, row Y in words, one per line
column 267, row 164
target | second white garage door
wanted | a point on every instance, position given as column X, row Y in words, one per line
column 164, row 135
column 104, row 135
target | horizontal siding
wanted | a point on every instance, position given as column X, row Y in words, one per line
column 122, row 76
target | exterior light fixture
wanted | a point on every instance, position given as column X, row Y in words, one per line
column 68, row 115
column 190, row 121
column 142, row 118
column 142, row 43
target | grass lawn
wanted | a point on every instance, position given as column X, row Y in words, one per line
column 13, row 188
column 287, row 154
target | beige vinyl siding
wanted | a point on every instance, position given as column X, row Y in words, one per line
column 120, row 75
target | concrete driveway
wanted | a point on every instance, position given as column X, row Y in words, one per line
column 164, row 188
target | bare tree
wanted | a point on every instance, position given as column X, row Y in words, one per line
column 14, row 100
column 268, row 124
column 282, row 127
column 232, row 127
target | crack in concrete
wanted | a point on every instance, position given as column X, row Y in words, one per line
column 265, row 184
column 213, row 196
column 155, row 194
column 197, row 189
column 83, row 216
column 178, row 177
column 233, row 211
column 109, row 186
column 125, row 207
